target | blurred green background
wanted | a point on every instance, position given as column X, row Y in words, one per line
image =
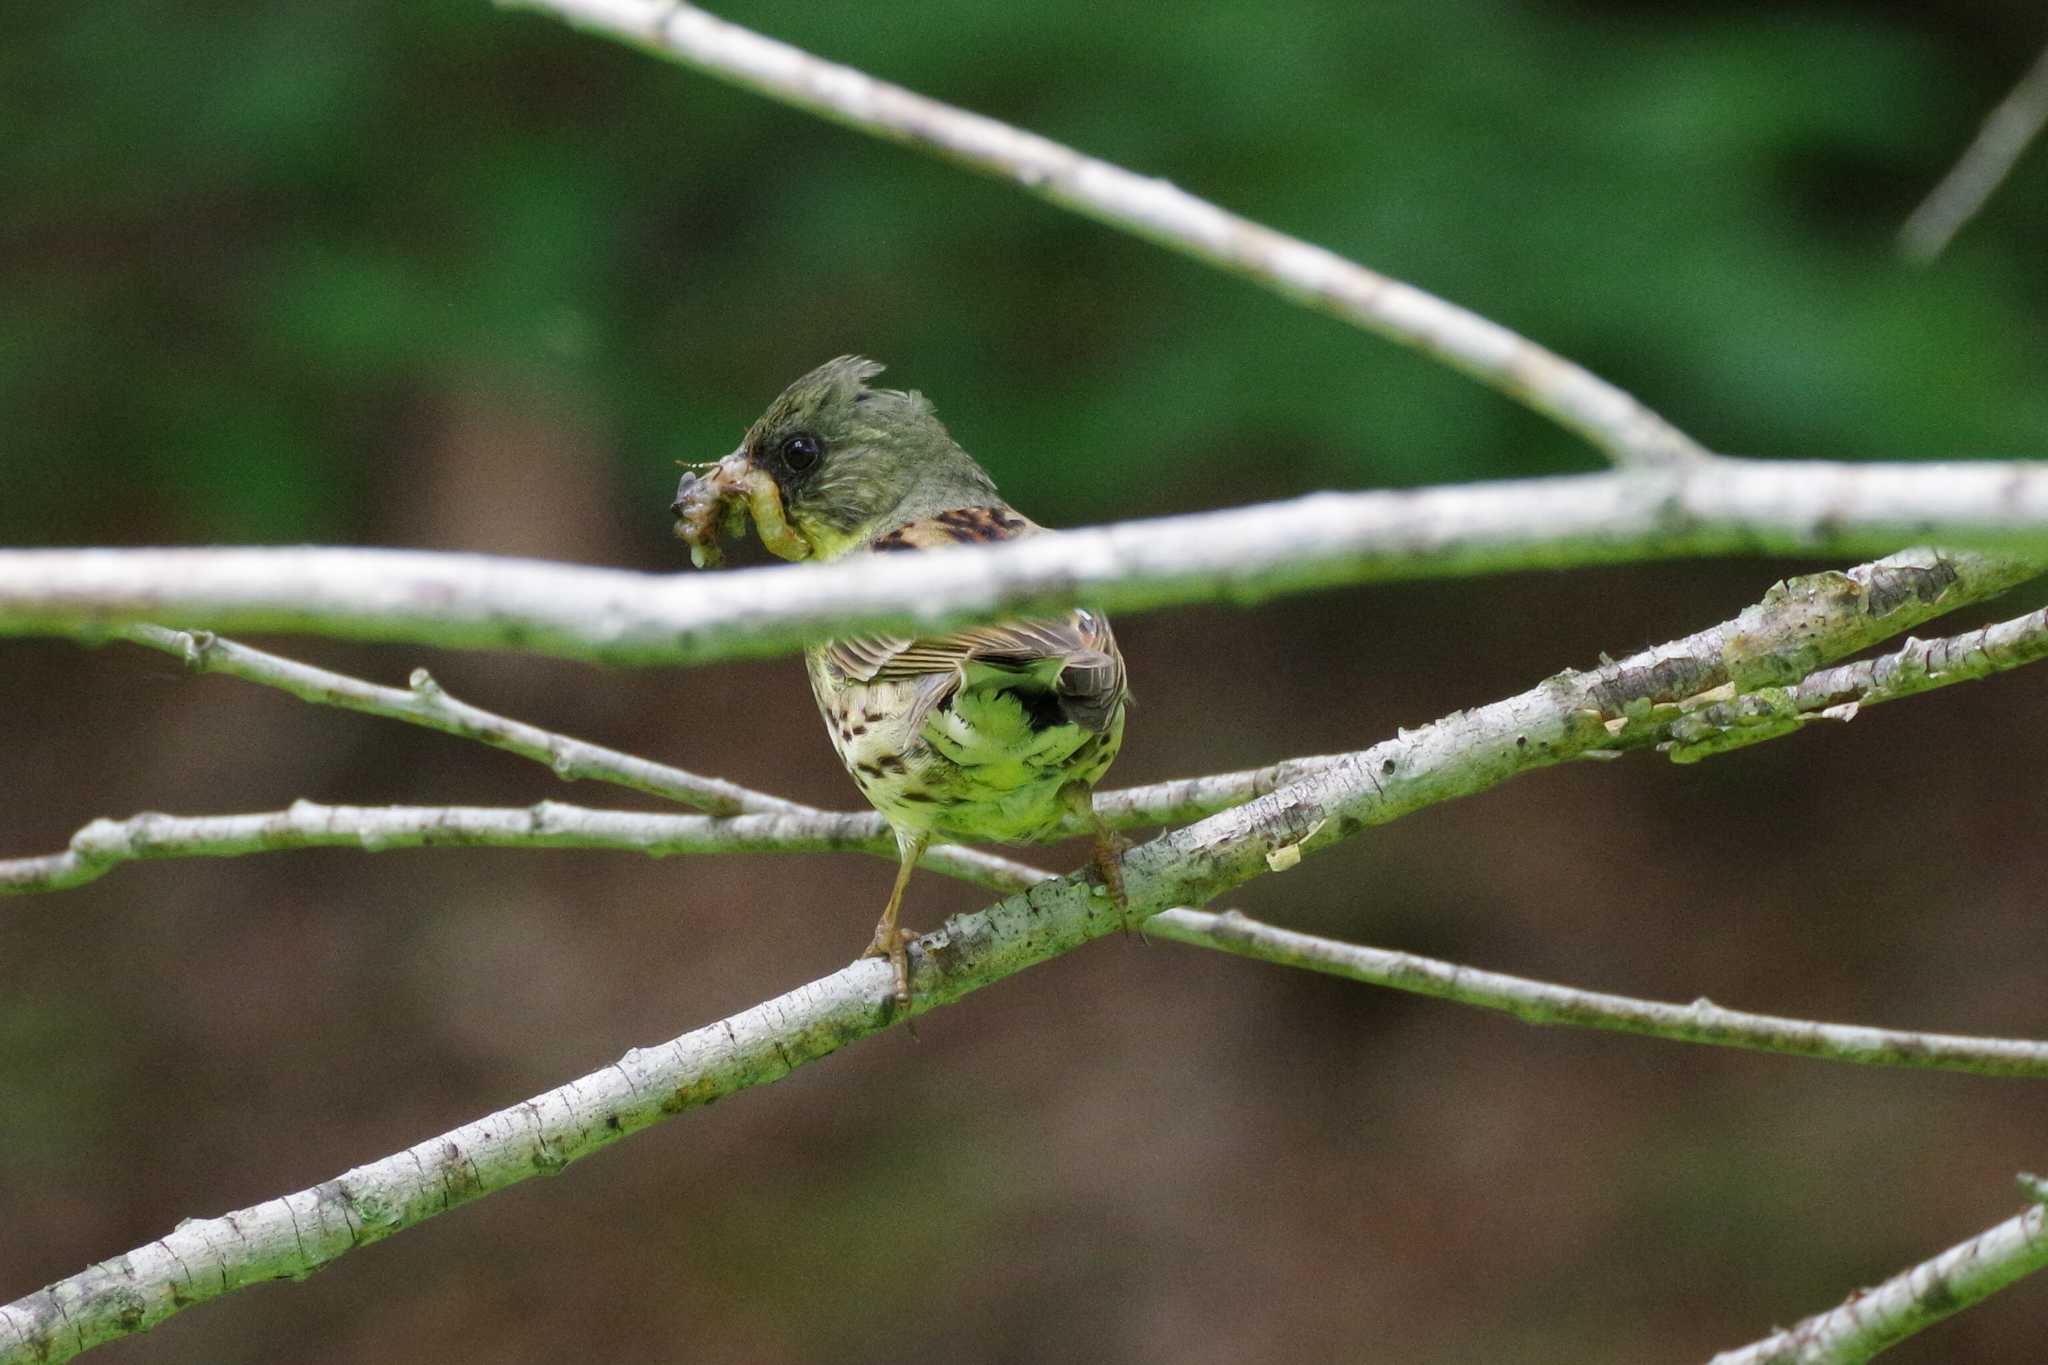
column 427, row 274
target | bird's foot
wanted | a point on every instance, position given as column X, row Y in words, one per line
column 894, row 944
column 1110, row 848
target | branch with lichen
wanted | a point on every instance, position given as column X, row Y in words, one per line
column 1840, row 693
column 1651, row 697
column 1672, row 498
column 1800, row 624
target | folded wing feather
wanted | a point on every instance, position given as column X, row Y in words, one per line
column 1073, row 657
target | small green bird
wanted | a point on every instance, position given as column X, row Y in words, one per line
column 994, row 732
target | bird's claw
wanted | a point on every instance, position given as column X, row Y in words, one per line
column 897, row 950
column 1108, row 863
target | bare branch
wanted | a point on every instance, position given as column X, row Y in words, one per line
column 1800, row 623
column 1871, row 1320
column 1924, row 665
column 1692, row 504
column 1620, row 426
column 1181, row 799
column 203, row 1258
column 424, row 703
column 1990, row 157
column 1239, row 555
column 106, row 844
column 1537, row 1002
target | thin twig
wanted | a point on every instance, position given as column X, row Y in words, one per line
column 1326, row 539
column 1924, row 665
column 1538, row 1002
column 106, row 844
column 2008, row 129
column 1870, row 1320
column 426, row 704
column 1615, row 422
column 1799, row 625
column 1841, row 693
column 301, row 1232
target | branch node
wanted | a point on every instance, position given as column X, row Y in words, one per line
column 102, row 840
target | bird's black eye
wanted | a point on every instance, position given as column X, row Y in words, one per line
column 800, row 452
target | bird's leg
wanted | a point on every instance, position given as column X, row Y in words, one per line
column 1110, row 846
column 890, row 941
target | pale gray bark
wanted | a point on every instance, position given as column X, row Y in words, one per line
column 1722, row 506
column 1673, row 500
column 106, row 844
column 1839, row 694
column 1542, row 1002
column 1147, row 207
column 2012, row 124
column 425, row 703
column 1800, row 625
column 1872, row 1319
column 1671, row 695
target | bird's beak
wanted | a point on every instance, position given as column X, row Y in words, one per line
column 715, row 500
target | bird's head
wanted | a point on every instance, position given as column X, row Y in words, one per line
column 831, row 465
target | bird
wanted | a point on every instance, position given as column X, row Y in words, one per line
column 994, row 732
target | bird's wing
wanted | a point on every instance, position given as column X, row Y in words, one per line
column 1073, row 657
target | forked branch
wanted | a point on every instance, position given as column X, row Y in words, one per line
column 1800, row 625
column 1694, row 695
column 1672, row 499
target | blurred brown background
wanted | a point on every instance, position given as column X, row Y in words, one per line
column 430, row 275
